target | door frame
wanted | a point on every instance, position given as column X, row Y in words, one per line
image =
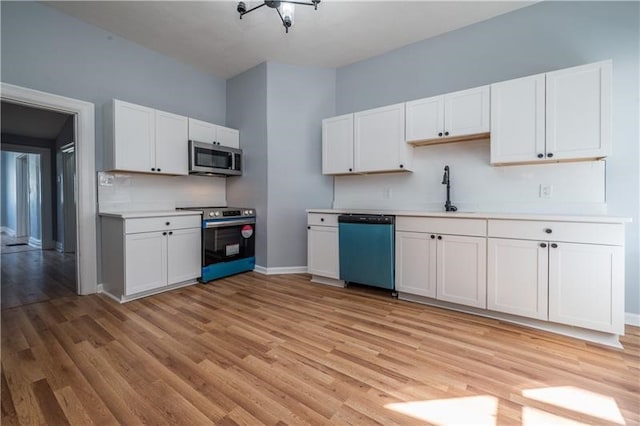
column 86, row 219
column 22, row 196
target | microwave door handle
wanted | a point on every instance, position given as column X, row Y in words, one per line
column 233, row 161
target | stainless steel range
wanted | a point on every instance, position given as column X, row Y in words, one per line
column 228, row 241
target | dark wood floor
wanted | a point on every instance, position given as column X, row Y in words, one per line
column 254, row 349
column 36, row 276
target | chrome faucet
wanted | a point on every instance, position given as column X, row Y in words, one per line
column 445, row 181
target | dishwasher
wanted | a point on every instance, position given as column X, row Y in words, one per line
column 366, row 249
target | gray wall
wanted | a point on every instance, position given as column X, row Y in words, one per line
column 538, row 38
column 47, row 50
column 298, row 98
column 278, row 109
column 8, row 188
column 247, row 111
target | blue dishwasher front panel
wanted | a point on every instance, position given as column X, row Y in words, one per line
column 367, row 254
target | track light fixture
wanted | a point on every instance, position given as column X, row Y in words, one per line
column 285, row 9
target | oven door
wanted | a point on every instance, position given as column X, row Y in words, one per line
column 228, row 240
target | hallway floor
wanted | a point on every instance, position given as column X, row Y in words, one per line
column 36, row 275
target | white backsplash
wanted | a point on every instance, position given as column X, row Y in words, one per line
column 576, row 188
column 126, row 192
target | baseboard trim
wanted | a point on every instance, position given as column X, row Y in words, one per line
column 602, row 338
column 632, row 319
column 280, row 270
column 6, row 230
column 34, row 242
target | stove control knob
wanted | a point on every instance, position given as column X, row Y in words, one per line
column 210, row 214
column 246, row 212
column 250, row 211
column 217, row 214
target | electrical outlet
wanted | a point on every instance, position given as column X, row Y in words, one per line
column 546, row 190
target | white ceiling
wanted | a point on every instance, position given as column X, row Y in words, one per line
column 209, row 34
column 23, row 120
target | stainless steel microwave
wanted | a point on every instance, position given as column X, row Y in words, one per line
column 209, row 159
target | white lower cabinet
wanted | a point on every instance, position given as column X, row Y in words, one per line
column 416, row 263
column 322, row 246
column 586, row 286
column 183, row 255
column 576, row 278
column 461, row 270
column 447, row 267
column 140, row 255
column 517, row 276
column 146, row 262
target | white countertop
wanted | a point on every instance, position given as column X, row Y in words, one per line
column 482, row 215
column 131, row 215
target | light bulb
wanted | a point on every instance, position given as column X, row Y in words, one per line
column 287, row 10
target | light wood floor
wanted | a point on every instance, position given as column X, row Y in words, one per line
column 253, row 349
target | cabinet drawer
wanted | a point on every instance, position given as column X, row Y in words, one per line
column 576, row 232
column 150, row 224
column 322, row 219
column 472, row 227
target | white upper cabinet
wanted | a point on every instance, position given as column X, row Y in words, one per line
column 448, row 118
column 466, row 112
column 172, row 156
column 579, row 112
column 561, row 115
column 228, row 137
column 425, row 118
column 337, row 145
column 141, row 139
column 518, row 120
column 132, row 145
column 379, row 140
column 202, row 131
column 369, row 141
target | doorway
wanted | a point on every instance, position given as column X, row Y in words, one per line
column 37, row 264
column 86, row 238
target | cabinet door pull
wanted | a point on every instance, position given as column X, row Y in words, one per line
column 350, row 170
column 446, row 133
column 439, row 237
column 167, row 223
column 440, row 134
column 159, row 169
column 401, row 166
column 308, row 227
column 554, row 245
column 543, row 245
column 540, row 155
column 550, row 154
column 164, row 233
column 322, row 219
column 548, row 230
column 170, row 232
column 153, row 169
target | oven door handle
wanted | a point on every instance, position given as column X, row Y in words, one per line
column 229, row 223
